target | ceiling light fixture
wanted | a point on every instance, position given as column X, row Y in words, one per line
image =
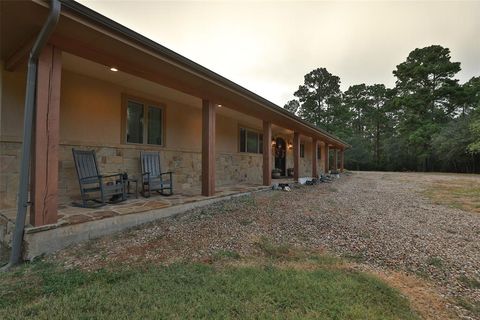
column 219, row 105
column 113, row 69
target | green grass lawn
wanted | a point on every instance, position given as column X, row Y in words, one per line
column 179, row 291
column 460, row 193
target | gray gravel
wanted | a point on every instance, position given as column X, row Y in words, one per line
column 380, row 219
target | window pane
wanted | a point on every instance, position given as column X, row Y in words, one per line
column 252, row 142
column 154, row 125
column 260, row 143
column 242, row 140
column 319, row 153
column 302, row 151
column 134, row 122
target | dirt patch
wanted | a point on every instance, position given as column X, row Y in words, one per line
column 424, row 298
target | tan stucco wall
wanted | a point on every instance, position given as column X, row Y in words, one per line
column 97, row 105
column 90, row 112
column 12, row 100
column 227, row 130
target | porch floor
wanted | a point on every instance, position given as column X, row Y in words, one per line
column 73, row 215
column 70, row 215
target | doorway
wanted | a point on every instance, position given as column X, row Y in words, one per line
column 281, row 155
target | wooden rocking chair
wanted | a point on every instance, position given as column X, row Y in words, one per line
column 92, row 182
column 153, row 179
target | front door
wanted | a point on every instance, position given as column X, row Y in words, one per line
column 281, row 155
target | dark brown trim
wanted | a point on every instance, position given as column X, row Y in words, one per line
column 296, row 156
column 208, row 148
column 327, row 158
column 335, row 160
column 314, row 157
column 302, row 148
column 342, row 159
column 267, row 153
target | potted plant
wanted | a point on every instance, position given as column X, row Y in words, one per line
column 276, row 173
column 290, row 172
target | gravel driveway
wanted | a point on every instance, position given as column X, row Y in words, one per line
column 379, row 219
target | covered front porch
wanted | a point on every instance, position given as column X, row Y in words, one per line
column 207, row 146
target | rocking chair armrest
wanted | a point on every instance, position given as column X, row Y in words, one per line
column 112, row 175
column 91, row 177
column 161, row 174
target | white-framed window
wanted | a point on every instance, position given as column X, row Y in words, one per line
column 251, row 141
column 144, row 122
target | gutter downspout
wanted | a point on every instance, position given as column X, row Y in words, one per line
column 30, row 105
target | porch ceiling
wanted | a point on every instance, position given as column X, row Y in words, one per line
column 87, row 34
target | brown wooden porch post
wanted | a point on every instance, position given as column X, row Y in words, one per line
column 208, row 148
column 342, row 159
column 327, row 158
column 44, row 175
column 335, row 160
column 322, row 155
column 314, row 157
column 296, row 156
column 267, row 153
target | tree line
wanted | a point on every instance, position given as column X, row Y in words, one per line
column 427, row 122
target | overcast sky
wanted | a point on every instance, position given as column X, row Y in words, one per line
column 268, row 47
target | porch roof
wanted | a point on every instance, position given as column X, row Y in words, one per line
column 86, row 33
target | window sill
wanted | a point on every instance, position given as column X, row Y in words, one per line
column 144, row 145
column 251, row 153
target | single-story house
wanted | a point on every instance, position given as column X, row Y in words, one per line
column 103, row 86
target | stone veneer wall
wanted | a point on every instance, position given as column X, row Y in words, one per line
column 234, row 168
column 231, row 168
column 306, row 166
column 9, row 170
column 185, row 165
